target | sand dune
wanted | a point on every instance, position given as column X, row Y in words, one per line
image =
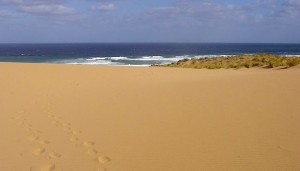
column 92, row 118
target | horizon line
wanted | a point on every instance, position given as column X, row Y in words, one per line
column 148, row 43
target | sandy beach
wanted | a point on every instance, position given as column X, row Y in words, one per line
column 103, row 118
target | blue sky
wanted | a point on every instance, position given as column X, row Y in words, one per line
column 249, row 21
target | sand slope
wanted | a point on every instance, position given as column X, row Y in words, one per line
column 89, row 118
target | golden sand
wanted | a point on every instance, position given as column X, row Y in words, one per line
column 92, row 118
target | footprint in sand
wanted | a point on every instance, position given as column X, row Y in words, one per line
column 92, row 152
column 88, row 143
column 103, row 160
column 73, row 132
column 53, row 155
column 38, row 151
column 45, row 167
column 74, row 139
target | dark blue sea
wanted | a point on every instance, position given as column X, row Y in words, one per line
column 133, row 54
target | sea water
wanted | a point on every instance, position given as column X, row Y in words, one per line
column 133, row 54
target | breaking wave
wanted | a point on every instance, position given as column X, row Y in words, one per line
column 131, row 61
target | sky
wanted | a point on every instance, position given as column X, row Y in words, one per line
column 231, row 21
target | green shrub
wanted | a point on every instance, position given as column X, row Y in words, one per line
column 242, row 61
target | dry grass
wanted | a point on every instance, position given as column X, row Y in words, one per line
column 243, row 61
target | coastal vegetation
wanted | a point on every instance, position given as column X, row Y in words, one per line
column 262, row 60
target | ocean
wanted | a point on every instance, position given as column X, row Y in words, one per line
column 133, row 54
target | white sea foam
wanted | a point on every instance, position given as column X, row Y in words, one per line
column 132, row 61
column 82, row 61
column 143, row 58
column 95, row 58
column 119, row 58
column 90, row 63
column 156, row 58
